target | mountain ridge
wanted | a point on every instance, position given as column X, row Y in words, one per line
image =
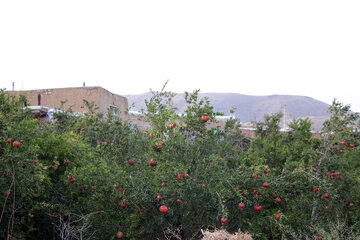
column 251, row 108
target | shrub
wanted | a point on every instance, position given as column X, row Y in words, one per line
column 72, row 178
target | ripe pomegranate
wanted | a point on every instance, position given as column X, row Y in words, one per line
column 205, row 118
column 71, row 180
column 131, row 162
column 180, row 176
column 159, row 198
column 16, row 144
column 326, row 196
column 202, row 185
column 315, row 190
column 257, row 208
column 265, row 185
column 9, row 140
column 352, row 145
column 223, row 220
column 277, row 216
column 278, row 200
column 119, row 235
column 171, row 126
column 265, row 171
column 152, row 163
column 124, row 205
column 163, row 184
column 241, row 205
column 178, row 201
column 164, row 209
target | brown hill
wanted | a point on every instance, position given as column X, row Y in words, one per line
column 252, row 108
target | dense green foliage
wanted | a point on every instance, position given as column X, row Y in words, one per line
column 89, row 177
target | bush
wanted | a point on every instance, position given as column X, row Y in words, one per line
column 92, row 176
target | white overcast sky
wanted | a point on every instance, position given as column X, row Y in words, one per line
column 254, row 47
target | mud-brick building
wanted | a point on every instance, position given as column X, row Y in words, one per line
column 73, row 98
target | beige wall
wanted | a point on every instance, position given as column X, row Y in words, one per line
column 52, row 98
column 108, row 99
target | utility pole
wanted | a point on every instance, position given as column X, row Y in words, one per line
column 284, row 116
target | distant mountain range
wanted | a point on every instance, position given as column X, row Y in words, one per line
column 252, row 108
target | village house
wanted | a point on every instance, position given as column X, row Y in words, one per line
column 72, row 98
